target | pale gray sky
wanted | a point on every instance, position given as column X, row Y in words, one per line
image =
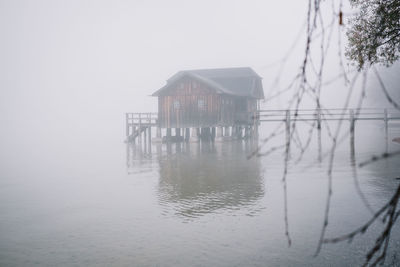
column 87, row 52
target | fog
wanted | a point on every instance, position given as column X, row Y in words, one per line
column 77, row 66
column 69, row 70
column 72, row 67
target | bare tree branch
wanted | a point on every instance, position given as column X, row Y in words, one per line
column 380, row 157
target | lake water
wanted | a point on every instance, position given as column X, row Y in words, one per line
column 95, row 201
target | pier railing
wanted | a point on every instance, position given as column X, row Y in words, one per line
column 141, row 119
column 328, row 114
column 319, row 115
column 150, row 118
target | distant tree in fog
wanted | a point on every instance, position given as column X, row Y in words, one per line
column 374, row 33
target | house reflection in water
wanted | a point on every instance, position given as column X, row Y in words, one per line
column 197, row 179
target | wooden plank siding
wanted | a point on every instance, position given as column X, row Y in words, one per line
column 190, row 103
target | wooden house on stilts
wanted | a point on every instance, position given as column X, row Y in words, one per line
column 209, row 104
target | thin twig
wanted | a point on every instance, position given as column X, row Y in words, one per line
column 379, row 157
column 387, row 95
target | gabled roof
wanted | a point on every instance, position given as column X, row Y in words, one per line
column 231, row 81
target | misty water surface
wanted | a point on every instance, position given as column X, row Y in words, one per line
column 105, row 203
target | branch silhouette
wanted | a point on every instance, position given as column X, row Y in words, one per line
column 308, row 82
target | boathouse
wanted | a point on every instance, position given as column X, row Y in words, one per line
column 208, row 98
column 203, row 104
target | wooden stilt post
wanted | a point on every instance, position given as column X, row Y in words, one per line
column 386, row 120
column 255, row 123
column 247, row 131
column 352, row 130
column 205, row 133
column 145, row 134
column 168, row 135
column 159, row 150
column 140, row 129
column 178, row 143
column 158, row 135
column 149, row 140
column 194, row 135
column 227, row 132
column 239, row 131
column 169, row 147
column 255, row 131
column 234, row 132
column 145, row 141
column 127, row 126
column 149, row 127
column 149, row 133
column 131, row 137
column 319, row 145
column 128, row 155
column 318, row 115
column 219, row 133
column 187, row 134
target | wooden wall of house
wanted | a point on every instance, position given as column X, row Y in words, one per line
column 190, row 103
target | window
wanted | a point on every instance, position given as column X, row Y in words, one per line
column 201, row 104
column 176, row 104
column 194, row 85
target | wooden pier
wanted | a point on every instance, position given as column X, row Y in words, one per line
column 139, row 125
column 319, row 115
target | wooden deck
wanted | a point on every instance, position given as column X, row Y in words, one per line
column 138, row 124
